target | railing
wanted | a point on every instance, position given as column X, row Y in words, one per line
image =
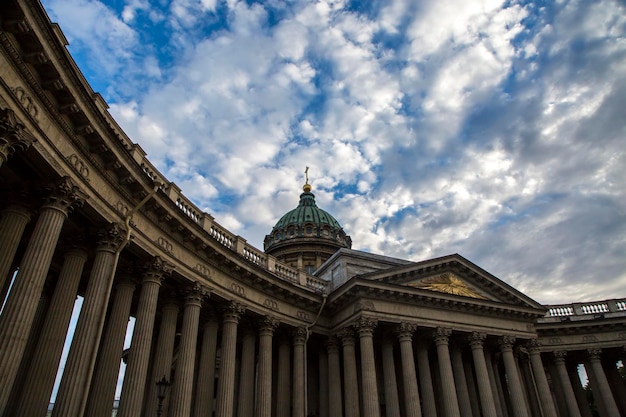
column 225, row 237
column 589, row 308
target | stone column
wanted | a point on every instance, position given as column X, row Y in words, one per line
column 45, row 361
column 568, row 391
column 392, row 405
column 450, row 401
column 283, row 394
column 131, row 400
column 245, row 394
column 264, row 385
column 351, row 382
column 605, row 394
column 206, row 371
column 426, row 381
column 21, row 304
column 299, row 339
column 405, row 333
column 496, row 387
column 226, row 382
column 323, row 381
column 76, row 379
column 182, row 388
column 13, row 220
column 465, row 406
column 365, row 327
column 163, row 356
column 485, row 393
column 104, row 381
column 579, row 391
column 545, row 395
column 334, row 378
column 518, row 404
column 13, row 135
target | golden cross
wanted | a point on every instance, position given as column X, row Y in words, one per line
column 306, row 173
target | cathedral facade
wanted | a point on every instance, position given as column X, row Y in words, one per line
column 306, row 327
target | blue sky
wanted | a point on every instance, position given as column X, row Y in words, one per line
column 492, row 129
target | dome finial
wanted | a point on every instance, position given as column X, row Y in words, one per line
column 307, row 187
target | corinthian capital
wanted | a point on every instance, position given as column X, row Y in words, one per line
column 405, row 330
column 64, row 195
column 13, row 135
column 442, row 334
column 156, row 269
column 366, row 325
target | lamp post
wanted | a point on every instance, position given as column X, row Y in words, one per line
column 162, row 386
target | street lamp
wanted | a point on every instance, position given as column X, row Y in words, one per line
column 162, row 386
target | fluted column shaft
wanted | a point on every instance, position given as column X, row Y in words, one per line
column 323, row 382
column 102, row 393
column 180, row 402
column 513, row 378
column 134, row 385
column 45, row 361
column 545, row 396
column 334, row 378
column 163, row 355
column 482, row 375
column 283, row 395
column 411, row 393
column 606, row 396
column 566, row 384
column 426, row 381
column 206, row 370
column 21, row 304
column 13, row 221
column 76, row 379
column 460, row 382
column 264, row 386
column 245, row 395
column 351, row 382
column 450, row 401
column 226, row 382
column 392, row 405
column 299, row 339
column 366, row 327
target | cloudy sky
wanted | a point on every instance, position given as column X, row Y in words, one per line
column 493, row 129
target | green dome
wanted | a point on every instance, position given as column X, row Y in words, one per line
column 307, row 221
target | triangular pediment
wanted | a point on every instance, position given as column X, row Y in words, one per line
column 453, row 275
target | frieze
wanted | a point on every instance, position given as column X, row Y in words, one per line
column 238, row 289
column 164, row 244
column 203, row 270
column 79, row 165
column 589, row 338
column 27, row 102
column 554, row 340
column 364, row 306
column 271, row 304
column 303, row 315
column 621, row 335
column 121, row 208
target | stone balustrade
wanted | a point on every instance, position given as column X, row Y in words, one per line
column 586, row 310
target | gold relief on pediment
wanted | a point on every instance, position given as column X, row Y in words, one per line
column 447, row 283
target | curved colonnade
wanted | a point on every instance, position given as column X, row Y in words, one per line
column 236, row 332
